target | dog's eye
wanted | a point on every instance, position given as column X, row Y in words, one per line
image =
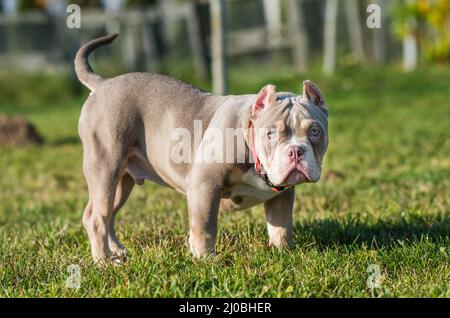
column 314, row 132
column 271, row 134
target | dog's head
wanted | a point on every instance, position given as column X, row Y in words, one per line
column 290, row 134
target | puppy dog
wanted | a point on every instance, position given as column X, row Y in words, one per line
column 127, row 126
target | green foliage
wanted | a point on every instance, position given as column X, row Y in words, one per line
column 388, row 136
column 31, row 5
column 428, row 21
column 26, row 90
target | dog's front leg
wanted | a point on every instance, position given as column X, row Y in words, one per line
column 203, row 204
column 279, row 218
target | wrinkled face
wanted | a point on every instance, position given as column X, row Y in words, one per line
column 291, row 134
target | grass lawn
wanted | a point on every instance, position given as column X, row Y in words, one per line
column 389, row 137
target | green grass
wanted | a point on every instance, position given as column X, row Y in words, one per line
column 389, row 136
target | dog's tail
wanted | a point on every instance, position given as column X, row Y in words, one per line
column 84, row 71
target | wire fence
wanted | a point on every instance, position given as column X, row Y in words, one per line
column 305, row 31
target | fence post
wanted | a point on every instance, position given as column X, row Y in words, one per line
column 410, row 49
column 298, row 34
column 219, row 46
column 272, row 15
column 409, row 52
column 329, row 47
column 129, row 46
column 379, row 36
column 196, row 43
column 354, row 29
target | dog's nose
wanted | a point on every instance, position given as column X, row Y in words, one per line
column 295, row 152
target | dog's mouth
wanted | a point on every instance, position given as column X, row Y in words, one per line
column 295, row 175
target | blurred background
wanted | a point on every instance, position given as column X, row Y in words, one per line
column 38, row 38
column 298, row 33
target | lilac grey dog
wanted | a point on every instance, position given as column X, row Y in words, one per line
column 125, row 127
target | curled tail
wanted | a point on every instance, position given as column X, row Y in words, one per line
column 84, row 71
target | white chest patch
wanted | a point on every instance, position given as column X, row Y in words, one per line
column 253, row 188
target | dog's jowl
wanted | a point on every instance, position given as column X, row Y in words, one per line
column 125, row 127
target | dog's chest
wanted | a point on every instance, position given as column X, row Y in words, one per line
column 245, row 190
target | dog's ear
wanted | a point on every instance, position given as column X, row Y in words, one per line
column 265, row 97
column 312, row 93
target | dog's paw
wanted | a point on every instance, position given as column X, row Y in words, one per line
column 118, row 261
column 280, row 243
column 119, row 256
column 201, row 249
column 201, row 253
column 121, row 252
column 102, row 262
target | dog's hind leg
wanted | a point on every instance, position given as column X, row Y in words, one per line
column 102, row 176
column 123, row 191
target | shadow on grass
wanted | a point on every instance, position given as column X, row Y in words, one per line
column 376, row 234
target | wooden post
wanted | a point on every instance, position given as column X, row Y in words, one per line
column 168, row 8
column 196, row 43
column 379, row 37
column 219, row 46
column 354, row 29
column 410, row 52
column 298, row 34
column 272, row 14
column 129, row 46
column 410, row 49
column 329, row 47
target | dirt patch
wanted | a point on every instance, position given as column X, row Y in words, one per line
column 17, row 131
column 334, row 175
